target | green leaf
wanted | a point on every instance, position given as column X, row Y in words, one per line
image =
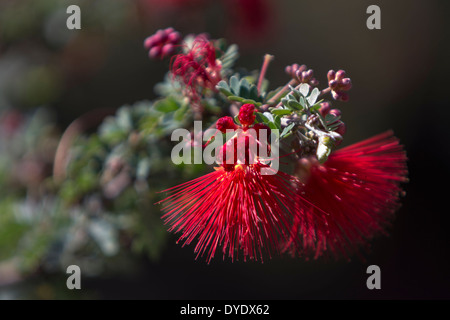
column 281, row 112
column 258, row 104
column 295, row 105
column 230, row 56
column 272, row 126
column 181, row 113
column 278, row 122
column 295, row 93
column 166, row 105
column 235, row 85
column 149, row 123
column 316, row 106
column 236, row 119
column 303, row 102
column 124, row 119
column 287, row 130
column 254, row 93
column 235, row 98
column 223, row 87
column 244, row 87
column 260, row 118
column 329, row 118
column 243, row 100
column 143, row 168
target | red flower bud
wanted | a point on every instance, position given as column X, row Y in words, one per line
column 341, row 129
column 174, row 37
column 247, row 114
column 154, row 52
column 149, row 42
column 225, row 123
column 335, row 112
column 167, row 50
column 331, row 75
column 324, row 109
column 340, row 75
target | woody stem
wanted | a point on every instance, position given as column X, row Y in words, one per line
column 325, row 91
column 282, row 91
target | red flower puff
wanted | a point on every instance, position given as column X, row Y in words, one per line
column 355, row 193
column 198, row 68
column 236, row 206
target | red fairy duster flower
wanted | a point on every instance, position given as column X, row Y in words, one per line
column 355, row 193
column 198, row 68
column 235, row 207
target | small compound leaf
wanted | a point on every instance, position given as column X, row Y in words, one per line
column 287, row 130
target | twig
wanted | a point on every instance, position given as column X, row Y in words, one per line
column 267, row 59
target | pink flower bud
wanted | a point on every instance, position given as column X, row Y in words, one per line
column 174, row 37
column 288, row 70
column 346, row 84
column 341, row 129
column 333, row 84
column 336, row 95
column 169, row 30
column 331, row 75
column 344, row 96
column 324, row 109
column 155, row 52
column 161, row 36
column 167, row 50
column 340, row 75
column 149, row 42
column 335, row 112
column 295, row 70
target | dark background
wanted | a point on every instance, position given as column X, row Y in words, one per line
column 400, row 82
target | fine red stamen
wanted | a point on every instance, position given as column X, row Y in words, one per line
column 357, row 191
column 198, row 68
column 239, row 209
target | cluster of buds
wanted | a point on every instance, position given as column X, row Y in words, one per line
column 302, row 74
column 163, row 43
column 338, row 83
